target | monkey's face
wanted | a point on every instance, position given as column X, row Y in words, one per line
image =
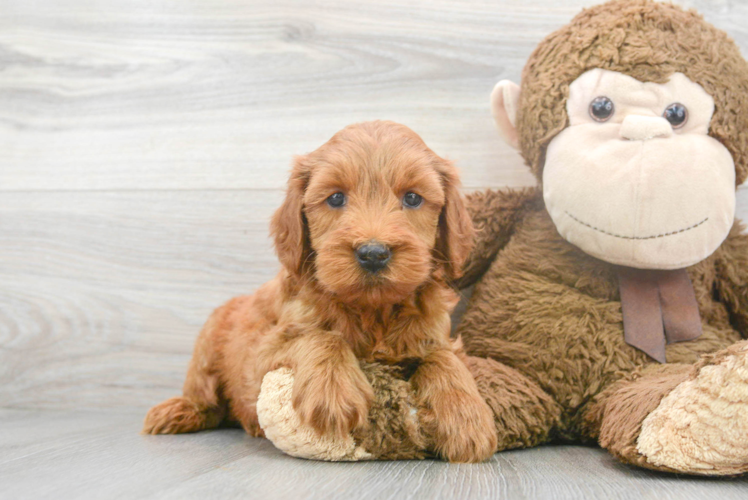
column 635, row 179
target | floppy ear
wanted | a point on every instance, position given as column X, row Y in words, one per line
column 504, row 105
column 289, row 227
column 455, row 239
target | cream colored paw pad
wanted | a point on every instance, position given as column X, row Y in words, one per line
column 701, row 427
column 284, row 429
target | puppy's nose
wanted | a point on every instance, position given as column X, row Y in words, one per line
column 373, row 256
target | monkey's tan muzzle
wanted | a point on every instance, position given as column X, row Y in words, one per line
column 644, row 128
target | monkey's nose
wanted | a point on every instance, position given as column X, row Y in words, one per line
column 644, row 128
column 373, row 256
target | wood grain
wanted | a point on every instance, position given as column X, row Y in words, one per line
column 212, row 95
column 94, row 455
column 103, row 292
column 144, row 145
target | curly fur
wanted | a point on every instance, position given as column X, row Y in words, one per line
column 323, row 313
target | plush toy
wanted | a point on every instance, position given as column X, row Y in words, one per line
column 610, row 302
column 523, row 414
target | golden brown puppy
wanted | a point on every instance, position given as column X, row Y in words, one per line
column 372, row 227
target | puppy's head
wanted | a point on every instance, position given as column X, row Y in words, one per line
column 373, row 214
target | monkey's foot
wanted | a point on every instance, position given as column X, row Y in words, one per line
column 283, row 427
column 701, row 427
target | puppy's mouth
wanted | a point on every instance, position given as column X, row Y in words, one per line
column 381, row 285
column 375, row 279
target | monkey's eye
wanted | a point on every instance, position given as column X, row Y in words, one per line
column 412, row 200
column 676, row 114
column 336, row 200
column 601, row 109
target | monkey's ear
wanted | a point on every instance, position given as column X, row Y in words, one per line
column 504, row 104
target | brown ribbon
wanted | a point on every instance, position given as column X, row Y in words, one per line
column 659, row 308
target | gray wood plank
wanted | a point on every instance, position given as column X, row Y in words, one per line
column 189, row 95
column 102, row 294
column 137, row 142
column 104, row 457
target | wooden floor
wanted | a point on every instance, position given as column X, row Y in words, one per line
column 143, row 147
column 94, row 455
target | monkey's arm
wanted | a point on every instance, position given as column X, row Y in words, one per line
column 495, row 214
column 732, row 276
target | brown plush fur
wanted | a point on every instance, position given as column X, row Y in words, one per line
column 393, row 432
column 523, row 415
column 552, row 313
column 324, row 313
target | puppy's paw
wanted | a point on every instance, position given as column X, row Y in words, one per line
column 462, row 425
column 333, row 402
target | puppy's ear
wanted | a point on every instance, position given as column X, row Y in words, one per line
column 289, row 227
column 455, row 239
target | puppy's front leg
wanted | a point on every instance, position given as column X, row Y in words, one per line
column 330, row 392
column 452, row 409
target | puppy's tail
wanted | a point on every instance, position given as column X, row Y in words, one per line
column 201, row 406
column 182, row 414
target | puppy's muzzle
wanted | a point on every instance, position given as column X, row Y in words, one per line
column 373, row 256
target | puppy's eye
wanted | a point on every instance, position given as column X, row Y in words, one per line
column 601, row 109
column 676, row 114
column 336, row 200
column 412, row 200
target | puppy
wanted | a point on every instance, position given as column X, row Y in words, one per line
column 372, row 228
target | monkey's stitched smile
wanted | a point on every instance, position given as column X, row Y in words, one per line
column 637, row 237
